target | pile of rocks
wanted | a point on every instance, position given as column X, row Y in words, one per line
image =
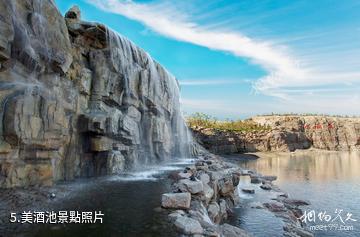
column 203, row 196
column 288, row 209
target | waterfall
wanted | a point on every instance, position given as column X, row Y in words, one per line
column 79, row 100
column 157, row 87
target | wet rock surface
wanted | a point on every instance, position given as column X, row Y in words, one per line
column 233, row 231
column 289, row 211
column 210, row 209
column 212, row 184
column 248, row 190
column 78, row 100
column 295, row 202
column 188, row 225
column 282, row 206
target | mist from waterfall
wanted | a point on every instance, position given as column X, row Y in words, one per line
column 160, row 80
column 79, row 100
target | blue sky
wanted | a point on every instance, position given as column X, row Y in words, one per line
column 236, row 59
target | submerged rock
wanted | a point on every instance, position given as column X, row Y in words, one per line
column 255, row 179
column 248, row 190
column 275, row 206
column 296, row 202
column 266, row 186
column 292, row 230
column 269, row 177
column 256, row 205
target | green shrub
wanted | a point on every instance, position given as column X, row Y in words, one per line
column 311, row 114
column 201, row 120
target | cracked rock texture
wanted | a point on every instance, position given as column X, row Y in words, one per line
column 78, row 100
column 286, row 133
column 209, row 188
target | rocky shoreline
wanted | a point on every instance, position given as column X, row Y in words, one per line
column 79, row 101
column 205, row 194
column 203, row 197
column 285, row 133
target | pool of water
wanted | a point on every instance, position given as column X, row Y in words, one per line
column 329, row 180
column 130, row 203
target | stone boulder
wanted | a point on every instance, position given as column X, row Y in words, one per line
column 214, row 212
column 226, row 186
column 233, row 231
column 188, row 226
column 295, row 202
column 193, row 187
column 176, row 200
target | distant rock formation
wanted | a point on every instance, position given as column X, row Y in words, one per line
column 78, row 100
column 287, row 133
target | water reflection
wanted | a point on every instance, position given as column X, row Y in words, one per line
column 329, row 180
column 315, row 166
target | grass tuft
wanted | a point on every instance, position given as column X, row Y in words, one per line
column 201, row 120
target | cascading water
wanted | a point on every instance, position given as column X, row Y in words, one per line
column 79, row 100
column 156, row 87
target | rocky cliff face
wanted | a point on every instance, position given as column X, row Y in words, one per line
column 78, row 100
column 287, row 133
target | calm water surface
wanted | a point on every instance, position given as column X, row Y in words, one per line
column 131, row 204
column 329, row 180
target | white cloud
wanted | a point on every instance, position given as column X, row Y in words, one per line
column 312, row 65
column 213, row 81
column 169, row 22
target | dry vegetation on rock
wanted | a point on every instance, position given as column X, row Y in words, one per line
column 201, row 120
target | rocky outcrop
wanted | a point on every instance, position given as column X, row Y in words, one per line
column 78, row 100
column 286, row 133
column 210, row 188
column 205, row 195
column 282, row 206
column 320, row 132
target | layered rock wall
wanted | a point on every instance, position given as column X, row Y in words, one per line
column 78, row 100
column 286, row 133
